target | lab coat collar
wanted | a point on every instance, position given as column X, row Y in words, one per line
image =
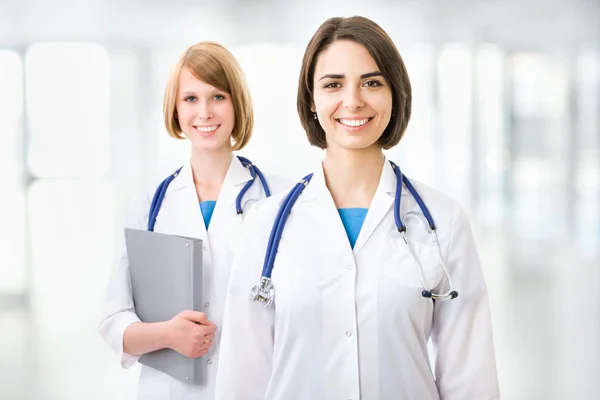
column 382, row 202
column 237, row 176
column 183, row 185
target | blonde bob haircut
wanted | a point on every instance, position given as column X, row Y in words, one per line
column 215, row 65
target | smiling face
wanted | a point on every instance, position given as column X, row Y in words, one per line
column 206, row 114
column 352, row 99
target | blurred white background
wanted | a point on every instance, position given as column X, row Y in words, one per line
column 506, row 119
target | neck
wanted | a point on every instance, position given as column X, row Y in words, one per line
column 210, row 167
column 352, row 176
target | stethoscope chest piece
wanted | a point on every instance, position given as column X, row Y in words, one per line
column 263, row 292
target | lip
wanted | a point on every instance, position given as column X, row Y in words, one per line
column 354, row 128
column 206, row 134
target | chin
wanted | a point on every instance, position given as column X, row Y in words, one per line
column 208, row 145
column 356, row 144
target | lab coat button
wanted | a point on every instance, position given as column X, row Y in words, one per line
column 350, row 266
column 209, row 361
column 348, row 333
column 207, row 304
column 205, row 248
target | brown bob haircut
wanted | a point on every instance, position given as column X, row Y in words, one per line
column 215, row 65
column 381, row 47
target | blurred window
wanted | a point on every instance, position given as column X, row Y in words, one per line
column 67, row 99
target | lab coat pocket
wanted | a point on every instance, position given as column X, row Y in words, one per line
column 295, row 286
column 408, row 259
column 290, row 263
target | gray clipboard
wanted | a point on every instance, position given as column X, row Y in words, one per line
column 166, row 278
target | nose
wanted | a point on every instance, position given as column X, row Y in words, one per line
column 204, row 111
column 353, row 99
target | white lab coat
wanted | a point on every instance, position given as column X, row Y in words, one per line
column 351, row 323
column 180, row 214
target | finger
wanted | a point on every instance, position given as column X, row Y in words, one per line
column 203, row 352
column 204, row 349
column 207, row 322
column 208, row 339
column 203, row 319
column 205, row 330
column 200, row 353
column 201, row 340
column 194, row 316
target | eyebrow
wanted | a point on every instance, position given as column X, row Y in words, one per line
column 341, row 76
column 191, row 93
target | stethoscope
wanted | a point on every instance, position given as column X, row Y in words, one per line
column 159, row 195
column 265, row 291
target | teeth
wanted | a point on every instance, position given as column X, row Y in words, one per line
column 354, row 122
column 207, row 129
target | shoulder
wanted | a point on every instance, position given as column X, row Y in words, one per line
column 433, row 196
column 444, row 209
column 258, row 223
column 279, row 184
column 276, row 181
column 260, row 219
column 265, row 211
column 138, row 206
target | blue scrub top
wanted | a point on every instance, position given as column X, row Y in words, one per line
column 353, row 219
column 207, row 208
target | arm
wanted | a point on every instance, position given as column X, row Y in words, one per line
column 247, row 343
column 118, row 312
column 462, row 331
column 140, row 338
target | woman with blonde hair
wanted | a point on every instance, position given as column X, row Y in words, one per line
column 207, row 102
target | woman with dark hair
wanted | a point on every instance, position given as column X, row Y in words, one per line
column 358, row 268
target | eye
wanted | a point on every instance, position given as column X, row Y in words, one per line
column 333, row 85
column 190, row 99
column 219, row 97
column 373, row 83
